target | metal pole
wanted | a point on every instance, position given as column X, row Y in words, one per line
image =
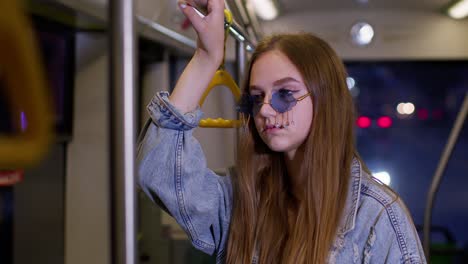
column 239, row 34
column 240, row 71
column 155, row 27
column 240, row 60
column 438, row 175
column 122, row 131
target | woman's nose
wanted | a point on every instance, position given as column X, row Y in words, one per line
column 266, row 110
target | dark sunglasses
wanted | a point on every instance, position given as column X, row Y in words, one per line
column 281, row 101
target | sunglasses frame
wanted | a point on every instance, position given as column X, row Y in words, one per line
column 300, row 98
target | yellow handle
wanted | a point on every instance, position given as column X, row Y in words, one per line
column 228, row 16
column 219, row 123
column 222, row 78
column 24, row 85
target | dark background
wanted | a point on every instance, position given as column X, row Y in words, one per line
column 411, row 148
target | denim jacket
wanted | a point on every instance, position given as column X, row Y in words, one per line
column 172, row 170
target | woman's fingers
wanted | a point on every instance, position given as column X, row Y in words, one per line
column 210, row 28
column 209, row 8
column 216, row 6
column 213, row 19
column 192, row 15
column 201, row 5
column 205, row 6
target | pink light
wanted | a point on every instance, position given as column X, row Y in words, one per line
column 364, row 122
column 423, row 114
column 384, row 122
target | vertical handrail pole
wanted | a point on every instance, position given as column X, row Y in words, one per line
column 240, row 70
column 240, row 60
column 122, row 131
column 438, row 175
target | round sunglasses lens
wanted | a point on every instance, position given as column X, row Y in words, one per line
column 282, row 102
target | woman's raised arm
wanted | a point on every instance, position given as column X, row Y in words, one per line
column 207, row 58
column 171, row 165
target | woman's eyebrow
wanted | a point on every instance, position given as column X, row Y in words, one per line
column 279, row 82
column 285, row 80
column 255, row 87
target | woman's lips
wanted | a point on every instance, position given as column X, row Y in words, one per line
column 271, row 129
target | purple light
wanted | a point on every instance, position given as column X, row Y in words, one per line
column 24, row 122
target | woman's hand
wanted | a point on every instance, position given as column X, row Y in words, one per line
column 210, row 29
column 201, row 5
column 208, row 56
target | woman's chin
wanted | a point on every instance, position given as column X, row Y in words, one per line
column 278, row 146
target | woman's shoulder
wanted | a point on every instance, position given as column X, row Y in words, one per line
column 381, row 194
column 384, row 213
column 369, row 199
column 378, row 198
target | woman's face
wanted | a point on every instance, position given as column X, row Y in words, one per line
column 273, row 74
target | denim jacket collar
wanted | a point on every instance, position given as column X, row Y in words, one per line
column 352, row 200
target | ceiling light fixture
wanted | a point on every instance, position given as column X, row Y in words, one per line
column 265, row 9
column 458, row 10
column 362, row 33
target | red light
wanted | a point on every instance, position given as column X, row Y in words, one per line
column 423, row 114
column 363, row 122
column 384, row 122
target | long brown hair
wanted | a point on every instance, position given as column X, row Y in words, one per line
column 262, row 197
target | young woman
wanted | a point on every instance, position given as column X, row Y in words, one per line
column 300, row 193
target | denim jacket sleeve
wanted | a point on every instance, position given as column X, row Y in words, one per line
column 172, row 171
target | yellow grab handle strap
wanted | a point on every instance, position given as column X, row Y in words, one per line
column 24, row 85
column 228, row 17
column 222, row 78
column 219, row 123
